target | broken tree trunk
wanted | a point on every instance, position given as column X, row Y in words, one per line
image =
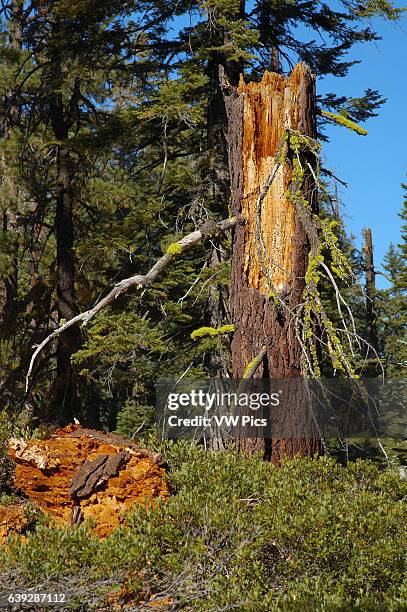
column 259, row 114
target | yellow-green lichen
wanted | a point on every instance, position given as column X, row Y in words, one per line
column 348, row 123
column 254, row 364
column 212, row 331
column 273, row 296
column 302, row 153
column 340, row 357
column 340, row 264
column 174, row 249
column 298, row 144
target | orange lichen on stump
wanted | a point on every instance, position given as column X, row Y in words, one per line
column 270, row 108
column 46, row 469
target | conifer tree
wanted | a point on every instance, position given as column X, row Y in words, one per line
column 392, row 305
column 74, row 62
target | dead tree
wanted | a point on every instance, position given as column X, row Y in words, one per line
column 281, row 328
column 370, row 289
column 271, row 245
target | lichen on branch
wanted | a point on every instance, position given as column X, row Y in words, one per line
column 348, row 123
column 203, row 332
column 316, row 331
column 174, row 249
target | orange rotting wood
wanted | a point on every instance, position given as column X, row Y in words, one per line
column 58, row 474
column 269, row 109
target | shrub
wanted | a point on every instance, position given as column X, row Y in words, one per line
column 135, row 420
column 240, row 533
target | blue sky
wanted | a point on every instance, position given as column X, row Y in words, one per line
column 375, row 165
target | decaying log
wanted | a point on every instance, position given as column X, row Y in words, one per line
column 93, row 474
column 77, row 431
column 14, row 520
column 259, row 115
column 80, row 473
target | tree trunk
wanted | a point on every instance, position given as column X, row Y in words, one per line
column 64, row 396
column 371, row 325
column 64, row 393
column 259, row 114
column 217, row 311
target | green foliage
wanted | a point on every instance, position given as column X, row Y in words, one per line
column 11, row 427
column 135, row 420
column 141, row 97
column 391, row 315
column 6, row 465
column 391, row 306
column 240, row 533
column 77, row 547
column 113, row 335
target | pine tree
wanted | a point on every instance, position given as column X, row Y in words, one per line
column 391, row 305
column 73, row 65
column 392, row 310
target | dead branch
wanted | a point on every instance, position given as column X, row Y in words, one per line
column 138, row 280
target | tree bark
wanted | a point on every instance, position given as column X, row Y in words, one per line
column 259, row 114
column 370, row 287
column 217, row 311
column 64, row 393
column 64, row 397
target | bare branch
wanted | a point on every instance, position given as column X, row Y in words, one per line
column 138, row 280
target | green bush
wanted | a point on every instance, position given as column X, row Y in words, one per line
column 238, row 533
column 17, row 426
column 135, row 420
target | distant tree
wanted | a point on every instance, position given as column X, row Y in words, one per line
column 392, row 305
column 370, row 287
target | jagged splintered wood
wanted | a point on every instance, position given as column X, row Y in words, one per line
column 258, row 116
